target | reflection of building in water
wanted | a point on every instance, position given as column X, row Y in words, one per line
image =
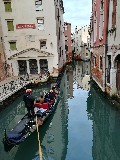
column 79, row 74
column 57, row 133
column 70, row 81
column 85, row 82
column 82, row 74
column 106, row 127
column 86, row 68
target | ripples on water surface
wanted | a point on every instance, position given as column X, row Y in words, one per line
column 83, row 127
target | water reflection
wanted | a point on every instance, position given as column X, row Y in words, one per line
column 84, row 126
column 106, row 127
column 82, row 75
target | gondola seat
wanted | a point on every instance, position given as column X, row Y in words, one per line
column 42, row 105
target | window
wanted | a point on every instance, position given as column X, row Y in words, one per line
column 66, row 38
column 8, row 7
column 109, row 68
column 38, row 5
column 60, row 51
column 58, row 16
column 43, row 64
column 59, row 33
column 102, row 4
column 43, row 44
column 95, row 61
column 66, row 48
column 65, row 28
column 10, row 25
column 86, row 54
column 13, row 46
column 40, row 22
column 101, row 63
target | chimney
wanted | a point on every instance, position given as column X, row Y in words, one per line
column 76, row 29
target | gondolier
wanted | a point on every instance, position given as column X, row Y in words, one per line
column 29, row 102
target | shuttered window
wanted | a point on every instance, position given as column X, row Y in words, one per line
column 10, row 25
column 13, row 46
column 8, row 7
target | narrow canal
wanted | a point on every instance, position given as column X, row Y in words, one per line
column 84, row 125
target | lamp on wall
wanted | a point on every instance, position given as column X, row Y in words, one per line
column 51, row 44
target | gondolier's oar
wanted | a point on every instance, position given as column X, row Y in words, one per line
column 40, row 149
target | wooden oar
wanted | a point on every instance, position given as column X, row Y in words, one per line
column 40, row 149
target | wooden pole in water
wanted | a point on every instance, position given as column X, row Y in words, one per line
column 40, row 149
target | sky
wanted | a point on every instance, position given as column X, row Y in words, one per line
column 77, row 12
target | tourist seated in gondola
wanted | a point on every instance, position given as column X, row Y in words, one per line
column 47, row 99
column 41, row 99
column 29, row 102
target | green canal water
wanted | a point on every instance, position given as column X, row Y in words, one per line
column 84, row 125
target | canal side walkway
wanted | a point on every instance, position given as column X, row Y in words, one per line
column 11, row 85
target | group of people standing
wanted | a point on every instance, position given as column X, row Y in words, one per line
column 29, row 100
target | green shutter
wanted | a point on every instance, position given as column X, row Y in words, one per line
column 10, row 25
column 8, row 7
column 13, row 46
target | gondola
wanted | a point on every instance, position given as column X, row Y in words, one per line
column 26, row 126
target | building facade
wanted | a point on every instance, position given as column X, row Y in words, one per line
column 98, row 31
column 68, row 41
column 73, row 44
column 3, row 72
column 34, row 38
column 113, row 54
column 82, row 43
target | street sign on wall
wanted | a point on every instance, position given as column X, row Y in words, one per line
column 22, row 26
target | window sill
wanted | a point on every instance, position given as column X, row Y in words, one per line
column 39, row 10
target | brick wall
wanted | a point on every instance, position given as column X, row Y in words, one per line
column 68, row 42
column 97, row 73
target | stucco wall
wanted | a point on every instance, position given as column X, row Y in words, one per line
column 24, row 12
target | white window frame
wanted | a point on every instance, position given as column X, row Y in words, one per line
column 40, row 22
column 66, row 27
column 38, row 4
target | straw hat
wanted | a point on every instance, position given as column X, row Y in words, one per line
column 28, row 90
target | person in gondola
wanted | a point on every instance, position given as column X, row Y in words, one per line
column 47, row 99
column 41, row 99
column 51, row 95
column 29, row 102
column 55, row 90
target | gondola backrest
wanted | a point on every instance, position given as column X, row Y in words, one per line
column 43, row 105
